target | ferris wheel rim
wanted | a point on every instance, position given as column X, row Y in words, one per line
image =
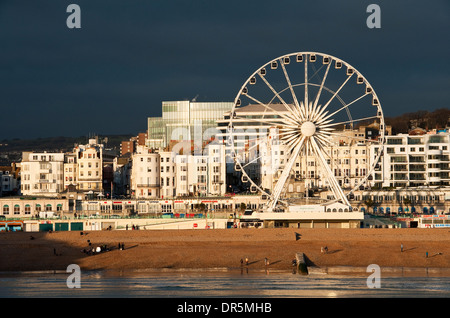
column 380, row 114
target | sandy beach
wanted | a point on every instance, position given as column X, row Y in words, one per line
column 209, row 249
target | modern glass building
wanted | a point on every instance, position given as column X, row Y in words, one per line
column 185, row 120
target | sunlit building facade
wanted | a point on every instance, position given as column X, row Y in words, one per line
column 185, row 120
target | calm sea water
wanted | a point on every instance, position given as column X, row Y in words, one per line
column 234, row 284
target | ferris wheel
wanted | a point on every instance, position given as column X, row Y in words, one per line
column 290, row 116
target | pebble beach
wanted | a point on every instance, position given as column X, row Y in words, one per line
column 225, row 248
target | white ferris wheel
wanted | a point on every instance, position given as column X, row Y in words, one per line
column 295, row 108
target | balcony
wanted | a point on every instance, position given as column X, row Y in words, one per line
column 399, row 177
column 397, row 141
column 398, row 160
column 417, row 177
column 434, row 179
column 432, row 151
column 418, row 168
column 147, row 185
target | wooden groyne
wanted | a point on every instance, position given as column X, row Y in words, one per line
column 301, row 263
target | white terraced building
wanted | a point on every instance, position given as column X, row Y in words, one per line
column 168, row 174
column 414, row 161
column 42, row 173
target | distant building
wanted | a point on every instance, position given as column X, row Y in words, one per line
column 168, row 174
column 414, row 160
column 90, row 166
column 185, row 120
column 121, row 175
column 145, row 173
column 9, row 180
column 70, row 170
column 127, row 146
column 42, row 173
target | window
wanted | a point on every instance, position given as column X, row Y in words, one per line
column 27, row 209
column 5, row 209
column 16, row 209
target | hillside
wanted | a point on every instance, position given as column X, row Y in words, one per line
column 422, row 118
column 56, row 144
column 11, row 150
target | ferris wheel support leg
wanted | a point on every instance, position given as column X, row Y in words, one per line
column 337, row 190
column 283, row 178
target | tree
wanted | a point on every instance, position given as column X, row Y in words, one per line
column 369, row 203
column 406, row 201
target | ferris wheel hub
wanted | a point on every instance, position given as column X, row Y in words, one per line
column 308, row 128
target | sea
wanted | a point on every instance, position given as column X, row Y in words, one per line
column 217, row 283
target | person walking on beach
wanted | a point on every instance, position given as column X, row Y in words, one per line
column 401, row 247
column 246, row 261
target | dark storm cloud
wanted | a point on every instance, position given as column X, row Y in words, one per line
column 113, row 73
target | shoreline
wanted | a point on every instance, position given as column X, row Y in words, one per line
column 349, row 250
column 357, row 271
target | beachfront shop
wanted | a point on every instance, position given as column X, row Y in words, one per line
column 11, row 225
column 61, row 225
column 433, row 221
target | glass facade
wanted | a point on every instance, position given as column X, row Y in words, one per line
column 185, row 120
column 156, row 132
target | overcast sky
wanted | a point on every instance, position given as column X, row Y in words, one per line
column 130, row 55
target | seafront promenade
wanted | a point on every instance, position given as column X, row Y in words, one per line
column 224, row 248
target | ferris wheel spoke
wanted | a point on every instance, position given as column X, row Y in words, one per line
column 264, row 122
column 291, row 141
column 337, row 190
column 294, row 96
column 306, row 84
column 321, row 87
column 348, row 121
column 344, row 107
column 271, row 109
column 316, row 73
column 337, row 92
column 251, row 161
column 278, row 96
column 324, row 140
column 287, row 170
column 351, row 137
